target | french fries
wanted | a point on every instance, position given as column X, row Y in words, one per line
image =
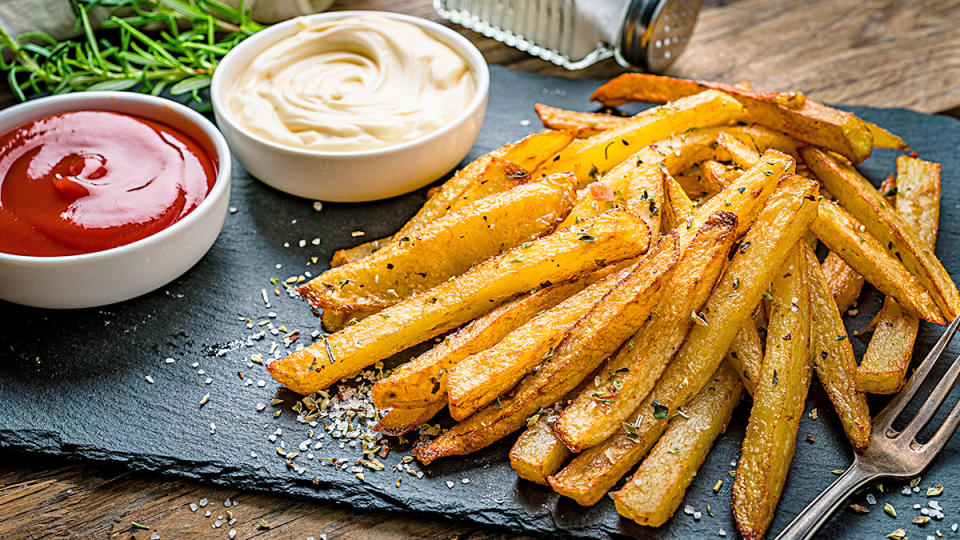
column 863, row 201
column 527, row 154
column 832, row 357
column 593, row 338
column 792, row 113
column 845, row 236
column 613, row 236
column 467, row 236
column 783, row 222
column 598, row 411
column 603, row 151
column 884, row 365
column 655, row 491
column 781, row 391
column 421, row 382
column 479, row 379
column 566, row 326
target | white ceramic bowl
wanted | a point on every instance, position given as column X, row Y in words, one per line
column 353, row 176
column 124, row 272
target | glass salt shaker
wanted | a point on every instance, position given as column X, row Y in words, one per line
column 648, row 34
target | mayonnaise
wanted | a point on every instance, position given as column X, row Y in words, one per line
column 355, row 83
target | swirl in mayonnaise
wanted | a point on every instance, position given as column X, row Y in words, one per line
column 356, row 83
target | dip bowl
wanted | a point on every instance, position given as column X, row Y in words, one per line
column 127, row 271
column 350, row 176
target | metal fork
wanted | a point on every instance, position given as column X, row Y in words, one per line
column 891, row 453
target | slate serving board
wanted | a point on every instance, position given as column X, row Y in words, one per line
column 72, row 383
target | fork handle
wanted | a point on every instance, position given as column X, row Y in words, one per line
column 809, row 521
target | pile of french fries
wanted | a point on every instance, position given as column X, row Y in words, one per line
column 603, row 287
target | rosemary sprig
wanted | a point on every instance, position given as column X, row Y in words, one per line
column 145, row 45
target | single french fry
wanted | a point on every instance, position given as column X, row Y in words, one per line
column 399, row 421
column 600, row 409
column 677, row 208
column 781, row 391
column 884, row 139
column 444, row 248
column 884, row 365
column 832, row 357
column 805, row 119
column 538, row 453
column 617, row 235
column 595, row 336
column 742, row 153
column 783, row 221
column 603, row 151
column 421, row 382
column 862, row 200
column 844, row 282
column 845, row 236
column 883, row 368
column 588, row 123
column 480, row 378
column 718, row 176
column 656, row 490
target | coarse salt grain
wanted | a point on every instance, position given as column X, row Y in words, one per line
column 169, row 360
column 261, row 383
column 149, row 379
column 193, row 507
column 450, row 484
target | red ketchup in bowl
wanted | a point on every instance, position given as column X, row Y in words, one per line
column 86, row 181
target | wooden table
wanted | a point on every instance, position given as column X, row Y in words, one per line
column 888, row 53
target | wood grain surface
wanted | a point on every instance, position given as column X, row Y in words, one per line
column 882, row 53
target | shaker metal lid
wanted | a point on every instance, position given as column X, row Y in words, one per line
column 655, row 32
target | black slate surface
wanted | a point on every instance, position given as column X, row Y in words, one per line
column 72, row 383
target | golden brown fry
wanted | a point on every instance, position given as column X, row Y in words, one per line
column 844, row 282
column 740, row 152
column 593, row 338
column 588, row 123
column 746, row 355
column 538, row 453
column 422, row 381
column 677, row 206
column 845, row 236
column 399, row 421
column 657, row 488
column 603, row 151
column 783, row 221
column 617, row 235
column 792, row 113
column 527, row 153
column 770, row 440
column 884, row 139
column 600, row 409
column 918, row 196
column 883, row 368
column 884, row 365
column 479, row 379
column 443, row 248
column 718, row 176
column 832, row 356
column 858, row 196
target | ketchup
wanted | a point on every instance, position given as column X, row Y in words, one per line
column 86, row 181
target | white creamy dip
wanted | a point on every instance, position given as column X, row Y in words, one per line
column 356, row 83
